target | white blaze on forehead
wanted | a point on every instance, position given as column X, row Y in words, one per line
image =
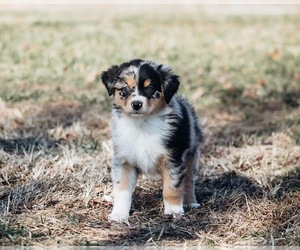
column 137, row 97
column 140, row 98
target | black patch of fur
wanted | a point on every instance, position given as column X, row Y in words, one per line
column 148, row 72
column 110, row 77
column 180, row 142
column 170, row 82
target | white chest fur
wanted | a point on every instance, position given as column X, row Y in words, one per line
column 139, row 141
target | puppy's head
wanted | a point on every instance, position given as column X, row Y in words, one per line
column 140, row 88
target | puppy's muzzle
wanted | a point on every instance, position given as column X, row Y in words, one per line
column 136, row 105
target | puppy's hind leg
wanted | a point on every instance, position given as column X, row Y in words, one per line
column 192, row 166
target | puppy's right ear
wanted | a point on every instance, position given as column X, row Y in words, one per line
column 110, row 77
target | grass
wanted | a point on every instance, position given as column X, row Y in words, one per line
column 241, row 72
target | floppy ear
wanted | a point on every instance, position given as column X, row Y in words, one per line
column 170, row 82
column 110, row 78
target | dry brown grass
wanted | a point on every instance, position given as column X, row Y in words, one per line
column 54, row 185
column 240, row 72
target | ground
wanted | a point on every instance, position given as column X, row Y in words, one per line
column 242, row 74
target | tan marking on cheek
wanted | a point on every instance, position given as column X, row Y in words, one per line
column 156, row 104
column 171, row 194
column 125, row 104
column 130, row 81
column 118, row 101
column 147, row 83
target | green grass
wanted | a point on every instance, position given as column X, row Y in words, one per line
column 43, row 50
column 12, row 232
column 242, row 74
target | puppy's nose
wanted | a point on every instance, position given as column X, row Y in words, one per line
column 136, row 105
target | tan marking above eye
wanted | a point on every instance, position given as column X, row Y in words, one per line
column 130, row 81
column 147, row 83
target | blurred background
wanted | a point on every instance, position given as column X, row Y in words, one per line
column 239, row 65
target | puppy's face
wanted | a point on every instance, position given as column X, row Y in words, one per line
column 140, row 88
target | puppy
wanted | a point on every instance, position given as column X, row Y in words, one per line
column 153, row 132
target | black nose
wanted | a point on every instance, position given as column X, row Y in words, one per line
column 136, row 105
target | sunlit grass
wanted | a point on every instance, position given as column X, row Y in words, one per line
column 60, row 51
column 241, row 73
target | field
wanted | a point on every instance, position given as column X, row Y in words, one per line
column 242, row 74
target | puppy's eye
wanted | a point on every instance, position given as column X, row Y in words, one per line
column 149, row 90
column 124, row 92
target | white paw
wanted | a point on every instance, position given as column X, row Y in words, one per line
column 192, row 205
column 173, row 209
column 119, row 218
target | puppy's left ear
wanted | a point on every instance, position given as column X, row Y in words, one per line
column 110, row 78
column 170, row 82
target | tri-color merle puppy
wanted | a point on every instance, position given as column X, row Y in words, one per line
column 153, row 132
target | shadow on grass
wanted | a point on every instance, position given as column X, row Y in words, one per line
column 32, row 134
column 239, row 119
column 222, row 199
column 262, row 102
column 22, row 145
column 61, row 113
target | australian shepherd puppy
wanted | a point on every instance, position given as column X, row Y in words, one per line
column 153, row 132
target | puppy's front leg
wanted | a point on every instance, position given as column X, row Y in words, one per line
column 172, row 194
column 124, row 178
